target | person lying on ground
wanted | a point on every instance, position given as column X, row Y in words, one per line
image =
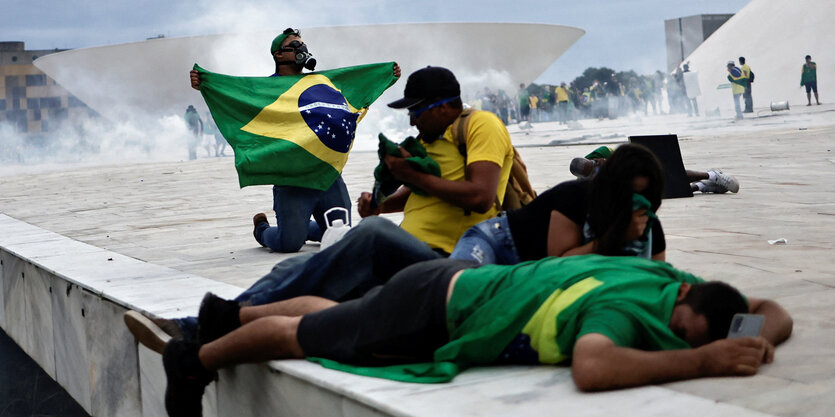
column 579, row 217
column 713, row 181
column 618, row 321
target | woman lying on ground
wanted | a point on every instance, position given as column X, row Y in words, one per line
column 607, row 215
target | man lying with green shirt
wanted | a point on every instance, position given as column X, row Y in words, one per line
column 619, row 322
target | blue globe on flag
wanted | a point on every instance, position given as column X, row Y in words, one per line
column 327, row 114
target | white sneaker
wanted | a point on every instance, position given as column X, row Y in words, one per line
column 709, row 186
column 730, row 183
column 582, row 168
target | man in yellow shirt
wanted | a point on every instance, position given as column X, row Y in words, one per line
column 746, row 96
column 469, row 187
column 534, row 100
column 562, row 102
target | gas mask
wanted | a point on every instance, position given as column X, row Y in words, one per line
column 303, row 56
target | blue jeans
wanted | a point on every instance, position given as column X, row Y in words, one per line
column 367, row 256
column 293, row 207
column 489, row 242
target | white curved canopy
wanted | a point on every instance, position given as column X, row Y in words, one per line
column 150, row 77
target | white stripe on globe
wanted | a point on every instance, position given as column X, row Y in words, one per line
column 327, row 105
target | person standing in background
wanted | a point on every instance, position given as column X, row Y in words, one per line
column 809, row 78
column 562, row 96
column 746, row 96
column 524, row 103
column 534, row 105
column 195, row 126
column 738, row 83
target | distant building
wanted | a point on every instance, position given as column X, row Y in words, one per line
column 685, row 34
column 29, row 99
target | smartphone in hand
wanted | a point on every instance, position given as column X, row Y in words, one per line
column 746, row 325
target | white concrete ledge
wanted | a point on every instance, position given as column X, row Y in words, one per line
column 63, row 300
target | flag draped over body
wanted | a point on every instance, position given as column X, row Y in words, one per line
column 293, row 129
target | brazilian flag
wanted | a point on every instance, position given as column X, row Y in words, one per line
column 294, row 129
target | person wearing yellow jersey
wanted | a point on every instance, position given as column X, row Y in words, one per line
column 468, row 189
column 738, row 84
column 534, row 102
column 749, row 76
column 562, row 102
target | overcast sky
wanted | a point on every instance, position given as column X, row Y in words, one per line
column 620, row 34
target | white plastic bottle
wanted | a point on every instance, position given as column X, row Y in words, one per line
column 336, row 228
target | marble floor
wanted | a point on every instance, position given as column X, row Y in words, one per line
column 192, row 217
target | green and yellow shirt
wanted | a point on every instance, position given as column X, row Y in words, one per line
column 536, row 311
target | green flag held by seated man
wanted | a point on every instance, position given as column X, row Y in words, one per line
column 293, row 129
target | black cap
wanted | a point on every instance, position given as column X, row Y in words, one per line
column 428, row 83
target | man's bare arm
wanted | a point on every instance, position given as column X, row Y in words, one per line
column 393, row 204
column 478, row 193
column 599, row 364
column 778, row 323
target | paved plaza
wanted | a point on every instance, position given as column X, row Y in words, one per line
column 193, row 217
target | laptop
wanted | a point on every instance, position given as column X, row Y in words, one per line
column 665, row 148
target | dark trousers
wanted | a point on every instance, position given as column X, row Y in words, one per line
column 749, row 102
column 367, row 256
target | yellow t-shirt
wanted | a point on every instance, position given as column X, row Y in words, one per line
column 562, row 94
column 746, row 71
column 534, row 101
column 439, row 223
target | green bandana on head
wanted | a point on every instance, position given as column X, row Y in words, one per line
column 641, row 202
column 276, row 45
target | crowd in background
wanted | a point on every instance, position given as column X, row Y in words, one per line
column 600, row 93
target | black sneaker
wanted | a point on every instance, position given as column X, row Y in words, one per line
column 186, row 379
column 256, row 220
column 217, row 317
